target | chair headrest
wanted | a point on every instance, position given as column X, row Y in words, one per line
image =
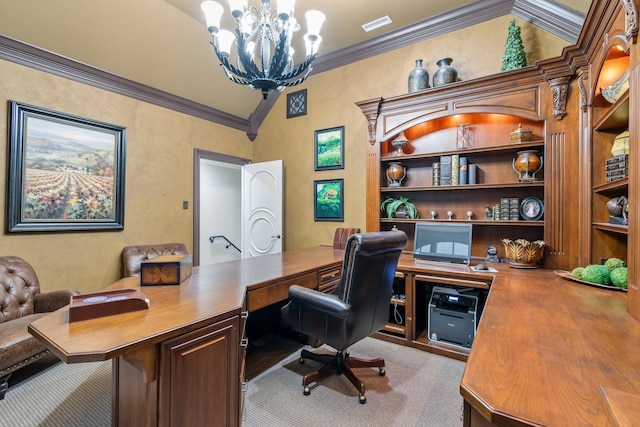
column 378, row 242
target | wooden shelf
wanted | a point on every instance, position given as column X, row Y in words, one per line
column 613, row 186
column 609, row 120
column 508, row 147
column 398, row 302
column 455, row 352
column 394, row 328
column 473, row 221
column 468, row 187
column 612, row 228
column 616, row 119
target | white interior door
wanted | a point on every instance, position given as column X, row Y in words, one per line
column 262, row 208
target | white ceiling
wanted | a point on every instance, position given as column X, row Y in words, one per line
column 164, row 43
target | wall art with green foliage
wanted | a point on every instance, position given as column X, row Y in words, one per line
column 329, row 148
column 328, row 200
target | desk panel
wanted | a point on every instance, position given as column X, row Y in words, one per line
column 277, row 292
column 161, row 351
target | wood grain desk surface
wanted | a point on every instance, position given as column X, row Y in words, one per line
column 212, row 293
column 545, row 349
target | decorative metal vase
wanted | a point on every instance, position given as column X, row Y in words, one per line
column 399, row 143
column 418, row 77
column 522, row 253
column 445, row 73
column 527, row 164
column 395, row 174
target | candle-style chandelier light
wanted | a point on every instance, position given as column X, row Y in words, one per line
column 257, row 35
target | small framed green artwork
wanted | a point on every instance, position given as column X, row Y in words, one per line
column 329, row 148
column 328, row 200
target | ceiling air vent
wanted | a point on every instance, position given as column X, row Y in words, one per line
column 377, row 23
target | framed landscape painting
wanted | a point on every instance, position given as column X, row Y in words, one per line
column 329, row 200
column 329, row 148
column 65, row 173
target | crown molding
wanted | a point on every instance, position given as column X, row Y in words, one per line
column 454, row 20
column 43, row 60
column 559, row 20
column 555, row 18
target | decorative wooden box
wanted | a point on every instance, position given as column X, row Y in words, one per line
column 106, row 303
column 166, row 270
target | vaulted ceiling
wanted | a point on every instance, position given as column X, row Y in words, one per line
column 162, row 48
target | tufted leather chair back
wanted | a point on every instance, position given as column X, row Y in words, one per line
column 368, row 271
column 18, row 287
column 132, row 256
column 359, row 306
column 341, row 235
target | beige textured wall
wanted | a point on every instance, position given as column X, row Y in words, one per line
column 160, row 147
column 159, row 175
column 476, row 51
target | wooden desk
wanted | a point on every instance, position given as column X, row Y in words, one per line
column 180, row 362
column 545, row 350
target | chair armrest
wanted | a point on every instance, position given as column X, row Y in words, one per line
column 51, row 301
column 319, row 301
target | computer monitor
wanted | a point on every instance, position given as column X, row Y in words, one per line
column 442, row 241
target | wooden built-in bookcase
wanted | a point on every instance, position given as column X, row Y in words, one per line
column 573, row 128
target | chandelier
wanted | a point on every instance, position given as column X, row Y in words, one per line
column 257, row 34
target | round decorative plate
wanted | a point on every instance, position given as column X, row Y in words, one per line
column 531, row 209
column 567, row 275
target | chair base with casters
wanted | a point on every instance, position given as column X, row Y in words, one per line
column 342, row 363
column 357, row 308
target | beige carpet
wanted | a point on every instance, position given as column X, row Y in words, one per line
column 420, row 389
column 49, row 393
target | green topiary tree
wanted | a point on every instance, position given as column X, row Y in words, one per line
column 514, row 55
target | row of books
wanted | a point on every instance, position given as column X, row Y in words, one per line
column 453, row 170
column 617, row 167
column 507, row 210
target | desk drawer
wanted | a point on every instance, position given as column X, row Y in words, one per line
column 277, row 292
column 329, row 278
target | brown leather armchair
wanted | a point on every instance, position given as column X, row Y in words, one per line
column 358, row 307
column 132, row 256
column 20, row 304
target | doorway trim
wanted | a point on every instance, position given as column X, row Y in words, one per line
column 198, row 156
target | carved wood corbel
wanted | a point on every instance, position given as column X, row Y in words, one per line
column 631, row 24
column 371, row 124
column 146, row 359
column 559, row 89
column 370, row 109
column 583, row 76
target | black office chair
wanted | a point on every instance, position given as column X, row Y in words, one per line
column 356, row 309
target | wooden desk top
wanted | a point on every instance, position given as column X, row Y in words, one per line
column 546, row 347
column 212, row 293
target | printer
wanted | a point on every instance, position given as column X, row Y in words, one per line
column 451, row 317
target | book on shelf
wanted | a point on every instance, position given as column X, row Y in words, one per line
column 616, row 167
column 455, row 169
column 472, row 173
column 445, row 170
column 509, row 209
column 435, row 171
column 464, row 179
